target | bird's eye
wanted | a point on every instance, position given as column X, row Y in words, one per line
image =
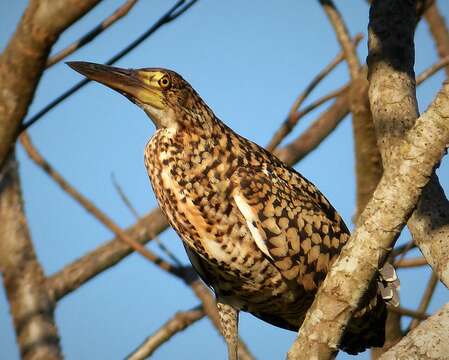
column 165, row 82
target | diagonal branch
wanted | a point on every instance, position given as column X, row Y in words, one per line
column 74, row 275
column 92, row 209
column 172, row 14
column 378, row 227
column 294, row 114
column 23, row 60
column 439, row 30
column 424, row 342
column 118, row 14
column 179, row 322
column 395, row 109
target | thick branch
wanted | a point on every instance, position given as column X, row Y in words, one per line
column 425, row 342
column 394, row 107
column 378, row 227
column 23, row 277
column 23, row 60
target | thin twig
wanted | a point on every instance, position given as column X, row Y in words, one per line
column 176, row 10
column 92, row 209
column 404, row 248
column 407, row 247
column 425, row 301
column 343, row 37
column 413, row 262
column 440, row 64
column 136, row 215
column 408, row 312
column 316, row 132
column 179, row 322
column 124, row 198
column 92, row 34
column 292, row 118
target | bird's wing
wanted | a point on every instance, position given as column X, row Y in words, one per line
column 290, row 221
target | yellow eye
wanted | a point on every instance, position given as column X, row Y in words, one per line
column 165, row 82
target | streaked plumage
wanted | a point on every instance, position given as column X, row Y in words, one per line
column 257, row 232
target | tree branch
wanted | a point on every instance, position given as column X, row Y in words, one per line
column 173, row 13
column 439, row 31
column 73, row 275
column 395, row 109
column 425, row 301
column 90, row 207
column 23, row 60
column 92, row 34
column 424, row 342
column 24, row 281
column 316, row 133
column 378, row 228
column 294, row 115
column 179, row 322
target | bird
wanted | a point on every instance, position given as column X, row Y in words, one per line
column 256, row 231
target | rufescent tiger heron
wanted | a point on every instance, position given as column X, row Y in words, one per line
column 257, row 232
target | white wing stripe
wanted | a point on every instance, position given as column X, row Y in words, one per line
column 248, row 214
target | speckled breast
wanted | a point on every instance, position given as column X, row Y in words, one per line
column 192, row 186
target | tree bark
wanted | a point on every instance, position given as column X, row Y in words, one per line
column 378, row 228
column 428, row 341
column 24, row 59
column 23, row 276
column 394, row 107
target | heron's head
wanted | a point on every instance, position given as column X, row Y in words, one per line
column 163, row 94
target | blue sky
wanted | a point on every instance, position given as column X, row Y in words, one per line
column 248, row 61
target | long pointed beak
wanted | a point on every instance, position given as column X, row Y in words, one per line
column 127, row 82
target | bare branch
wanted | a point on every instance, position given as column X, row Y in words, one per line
column 293, row 115
column 23, row 60
column 395, row 109
column 179, row 322
column 343, row 37
column 92, row 34
column 316, row 133
column 424, row 342
column 414, row 262
column 378, row 227
column 172, row 14
column 439, row 31
column 432, row 70
column 92, row 209
column 31, row 307
column 73, row 275
column 425, row 301
column 408, row 312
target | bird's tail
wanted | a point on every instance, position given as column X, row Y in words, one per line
column 367, row 327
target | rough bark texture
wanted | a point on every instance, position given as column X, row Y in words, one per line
column 439, row 31
column 23, row 60
column 378, row 227
column 395, row 109
column 428, row 341
column 31, row 307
